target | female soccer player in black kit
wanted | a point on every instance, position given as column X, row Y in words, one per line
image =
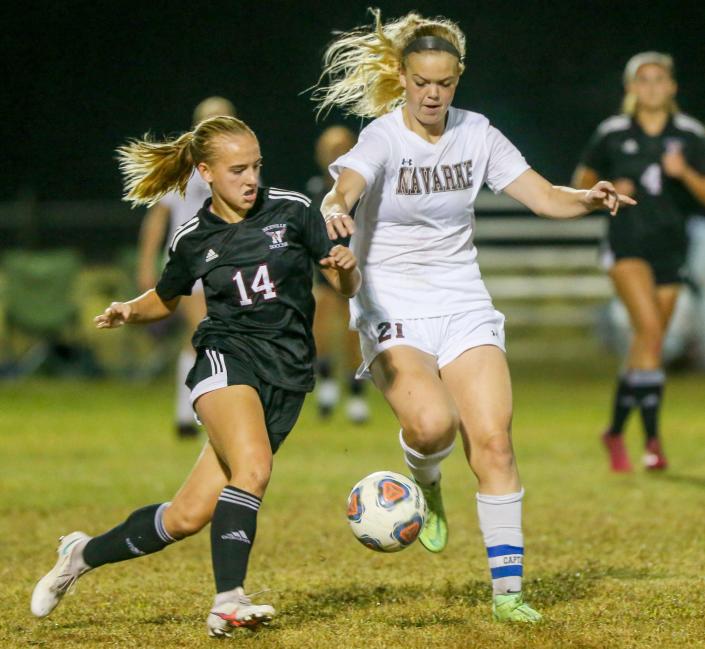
column 656, row 154
column 252, row 247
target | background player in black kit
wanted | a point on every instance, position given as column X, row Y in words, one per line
column 656, row 154
column 253, row 248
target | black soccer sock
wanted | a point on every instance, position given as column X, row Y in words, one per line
column 324, row 367
column 624, row 401
column 142, row 533
column 233, row 531
column 648, row 391
column 356, row 387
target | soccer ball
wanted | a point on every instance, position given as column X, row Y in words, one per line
column 386, row 511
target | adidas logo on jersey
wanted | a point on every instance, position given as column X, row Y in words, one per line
column 236, row 535
column 211, row 255
column 630, row 146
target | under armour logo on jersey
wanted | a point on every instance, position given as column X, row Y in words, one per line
column 211, row 255
column 276, row 232
column 409, row 162
column 236, row 535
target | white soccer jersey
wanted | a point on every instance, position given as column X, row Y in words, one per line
column 415, row 222
column 184, row 209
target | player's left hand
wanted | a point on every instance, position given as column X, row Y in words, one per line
column 340, row 258
column 604, row 195
column 673, row 163
column 339, row 225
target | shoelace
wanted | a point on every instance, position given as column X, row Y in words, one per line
column 67, row 585
column 247, row 599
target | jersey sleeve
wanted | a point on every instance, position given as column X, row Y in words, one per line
column 314, row 234
column 595, row 155
column 368, row 157
column 505, row 163
column 170, row 200
column 176, row 277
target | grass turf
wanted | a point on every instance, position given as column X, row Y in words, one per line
column 612, row 561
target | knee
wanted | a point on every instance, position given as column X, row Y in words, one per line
column 180, row 521
column 493, row 452
column 431, row 430
column 253, row 474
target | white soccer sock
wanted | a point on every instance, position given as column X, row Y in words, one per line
column 500, row 522
column 425, row 469
column 184, row 411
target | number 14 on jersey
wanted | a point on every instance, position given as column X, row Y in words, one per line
column 260, row 284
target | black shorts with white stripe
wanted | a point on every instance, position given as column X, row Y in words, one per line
column 215, row 369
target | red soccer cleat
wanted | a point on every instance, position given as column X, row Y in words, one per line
column 654, row 458
column 619, row 460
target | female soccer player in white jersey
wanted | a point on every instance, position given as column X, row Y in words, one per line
column 430, row 337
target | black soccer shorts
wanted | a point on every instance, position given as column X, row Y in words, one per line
column 215, row 369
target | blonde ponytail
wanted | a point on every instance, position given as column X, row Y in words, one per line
column 152, row 169
column 362, row 66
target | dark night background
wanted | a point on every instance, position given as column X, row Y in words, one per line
column 80, row 77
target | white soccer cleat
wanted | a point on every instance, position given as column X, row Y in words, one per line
column 57, row 582
column 357, row 410
column 239, row 612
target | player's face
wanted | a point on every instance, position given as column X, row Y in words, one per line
column 429, row 79
column 653, row 87
column 233, row 173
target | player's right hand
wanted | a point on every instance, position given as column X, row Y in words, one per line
column 116, row 315
column 339, row 225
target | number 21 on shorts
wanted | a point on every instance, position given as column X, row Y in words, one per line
column 388, row 330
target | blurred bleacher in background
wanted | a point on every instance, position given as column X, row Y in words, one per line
column 62, row 262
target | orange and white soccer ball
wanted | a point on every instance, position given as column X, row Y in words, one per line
column 386, row 511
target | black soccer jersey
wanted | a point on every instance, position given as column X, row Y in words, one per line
column 257, row 282
column 621, row 149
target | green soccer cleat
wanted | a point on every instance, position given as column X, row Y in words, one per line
column 434, row 535
column 511, row 608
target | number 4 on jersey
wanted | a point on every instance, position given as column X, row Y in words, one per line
column 260, row 284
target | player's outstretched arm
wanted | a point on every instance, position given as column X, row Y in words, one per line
column 556, row 202
column 341, row 271
column 339, row 201
column 148, row 307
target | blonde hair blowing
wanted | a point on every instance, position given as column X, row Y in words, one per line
column 152, row 169
column 665, row 61
column 363, row 65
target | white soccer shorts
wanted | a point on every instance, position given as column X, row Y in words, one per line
column 445, row 337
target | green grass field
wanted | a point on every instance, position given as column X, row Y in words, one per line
column 612, row 561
